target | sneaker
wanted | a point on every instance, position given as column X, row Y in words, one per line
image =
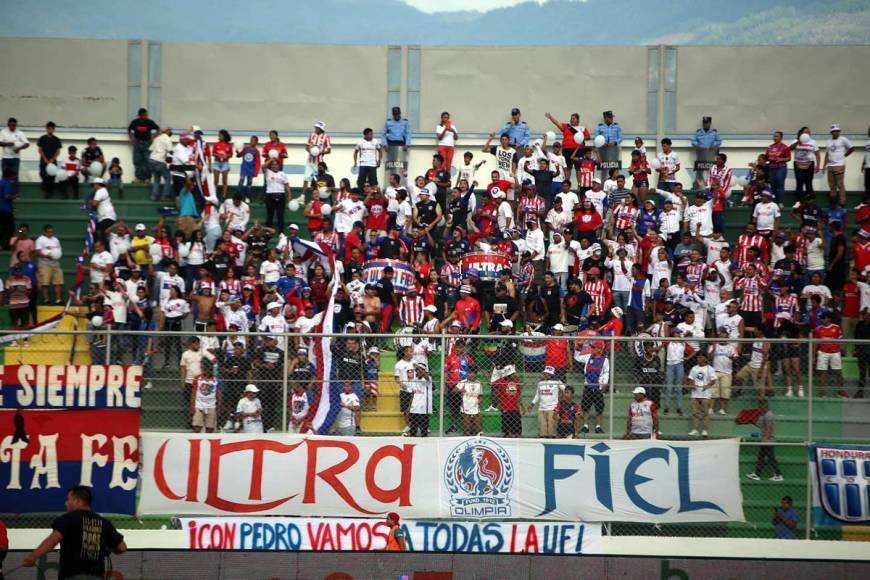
column 704, row 433
column 228, row 426
column 406, row 430
column 753, row 477
column 492, row 408
column 148, row 385
column 800, row 392
column 358, row 430
column 693, row 433
column 777, row 478
column 789, row 393
column 723, row 412
column 598, row 429
column 584, row 429
column 270, row 430
column 13, row 344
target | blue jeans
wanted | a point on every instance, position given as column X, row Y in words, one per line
column 620, row 298
column 673, row 384
column 562, row 280
column 245, row 184
column 160, row 172
column 777, row 182
column 12, row 165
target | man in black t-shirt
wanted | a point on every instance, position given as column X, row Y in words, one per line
column 268, row 363
column 49, row 146
column 441, row 177
column 389, row 299
column 93, row 153
column 502, row 307
column 142, row 131
column 85, row 538
column 391, row 247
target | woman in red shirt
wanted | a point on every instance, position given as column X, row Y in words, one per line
column 429, row 287
column 587, row 220
column 778, row 156
column 221, row 152
column 319, row 284
column 377, row 217
column 487, row 218
column 314, row 212
column 640, row 172
column 274, row 144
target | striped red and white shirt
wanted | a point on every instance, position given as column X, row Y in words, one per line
column 784, row 304
column 719, row 184
column 753, row 293
column 625, row 216
column 600, row 293
column 411, row 310
column 695, row 272
column 744, row 242
column 452, row 273
column 531, row 205
column 322, row 142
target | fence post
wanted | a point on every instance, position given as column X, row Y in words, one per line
column 612, row 380
column 810, row 393
column 284, row 391
column 441, row 398
column 108, row 357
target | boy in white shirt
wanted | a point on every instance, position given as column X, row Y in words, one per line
column 472, row 397
column 348, row 416
column 723, row 354
column 299, row 406
column 703, row 378
column 546, row 398
column 249, row 411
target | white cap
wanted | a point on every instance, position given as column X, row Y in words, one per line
column 617, row 312
column 558, row 326
column 549, row 371
column 374, row 349
column 251, row 389
column 835, row 127
column 465, row 288
column 195, row 128
column 639, row 390
column 424, row 191
column 140, row 227
column 292, row 227
column 456, row 323
column 98, row 180
column 273, row 305
column 597, row 180
column 507, row 324
column 320, row 125
column 431, row 308
column 509, row 370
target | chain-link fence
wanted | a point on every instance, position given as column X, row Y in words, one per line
column 776, row 396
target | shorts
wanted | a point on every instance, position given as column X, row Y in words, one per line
column 405, row 401
column 454, row 402
column 310, row 171
column 205, row 418
column 50, row 275
column 640, row 435
column 826, row 360
column 220, row 166
column 640, row 183
column 751, row 318
column 722, row 390
column 511, row 423
column 564, row 430
column 592, row 399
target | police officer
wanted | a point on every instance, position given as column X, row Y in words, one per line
column 612, row 133
column 706, row 143
column 516, row 130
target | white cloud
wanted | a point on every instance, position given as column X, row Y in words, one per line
column 431, row 6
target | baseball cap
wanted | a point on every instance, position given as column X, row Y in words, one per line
column 273, row 305
column 594, row 271
column 507, row 324
column 456, row 323
column 301, row 351
column 320, row 125
column 247, row 287
column 596, row 180
column 639, row 391
column 608, row 113
column 598, row 344
column 292, row 227
column 97, row 180
column 558, row 326
column 706, row 119
column 374, row 350
column 393, row 515
column 515, row 111
column 549, row 371
column 424, row 191
column 835, row 127
column 251, row 388
column 431, row 308
column 140, row 227
column 466, row 289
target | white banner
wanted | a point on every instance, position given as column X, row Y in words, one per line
column 369, row 535
column 459, row 478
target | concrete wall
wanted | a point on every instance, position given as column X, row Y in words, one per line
column 77, row 83
column 260, row 87
column 759, row 89
column 480, row 85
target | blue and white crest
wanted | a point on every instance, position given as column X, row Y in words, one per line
column 479, row 474
column 844, row 482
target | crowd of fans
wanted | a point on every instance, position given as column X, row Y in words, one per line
column 593, row 250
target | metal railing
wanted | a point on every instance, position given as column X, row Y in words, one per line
column 497, row 400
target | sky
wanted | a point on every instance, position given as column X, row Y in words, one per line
column 432, row 6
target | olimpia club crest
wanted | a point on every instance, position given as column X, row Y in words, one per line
column 479, row 475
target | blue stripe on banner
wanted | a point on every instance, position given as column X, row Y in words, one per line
column 69, row 473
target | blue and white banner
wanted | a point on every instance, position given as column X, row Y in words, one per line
column 456, row 478
column 841, row 484
column 67, row 387
column 370, row 535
